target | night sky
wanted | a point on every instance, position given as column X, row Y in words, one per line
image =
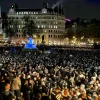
column 73, row 8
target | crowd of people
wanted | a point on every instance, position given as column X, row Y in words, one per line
column 54, row 75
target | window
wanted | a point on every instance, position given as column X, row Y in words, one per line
column 19, row 12
column 38, row 26
column 49, row 35
column 45, row 31
column 58, row 42
column 44, row 10
column 42, row 26
column 50, row 42
column 31, row 12
column 55, row 43
column 26, row 12
column 19, row 26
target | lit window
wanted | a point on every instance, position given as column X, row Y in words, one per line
column 26, row 12
column 42, row 26
column 58, row 42
column 62, row 43
column 34, row 12
column 19, row 26
column 55, row 42
column 36, row 17
column 17, row 13
column 44, row 10
column 38, row 26
column 22, row 12
column 45, row 31
column 54, row 26
column 50, row 42
column 51, row 26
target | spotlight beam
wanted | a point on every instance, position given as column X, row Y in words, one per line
column 59, row 2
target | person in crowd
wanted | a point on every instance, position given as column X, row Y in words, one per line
column 26, row 90
column 7, row 94
column 16, row 84
column 67, row 74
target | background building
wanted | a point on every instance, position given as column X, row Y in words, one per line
column 51, row 22
column 81, row 31
column 0, row 22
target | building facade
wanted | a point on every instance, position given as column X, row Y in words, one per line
column 0, row 22
column 50, row 20
column 2, row 34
